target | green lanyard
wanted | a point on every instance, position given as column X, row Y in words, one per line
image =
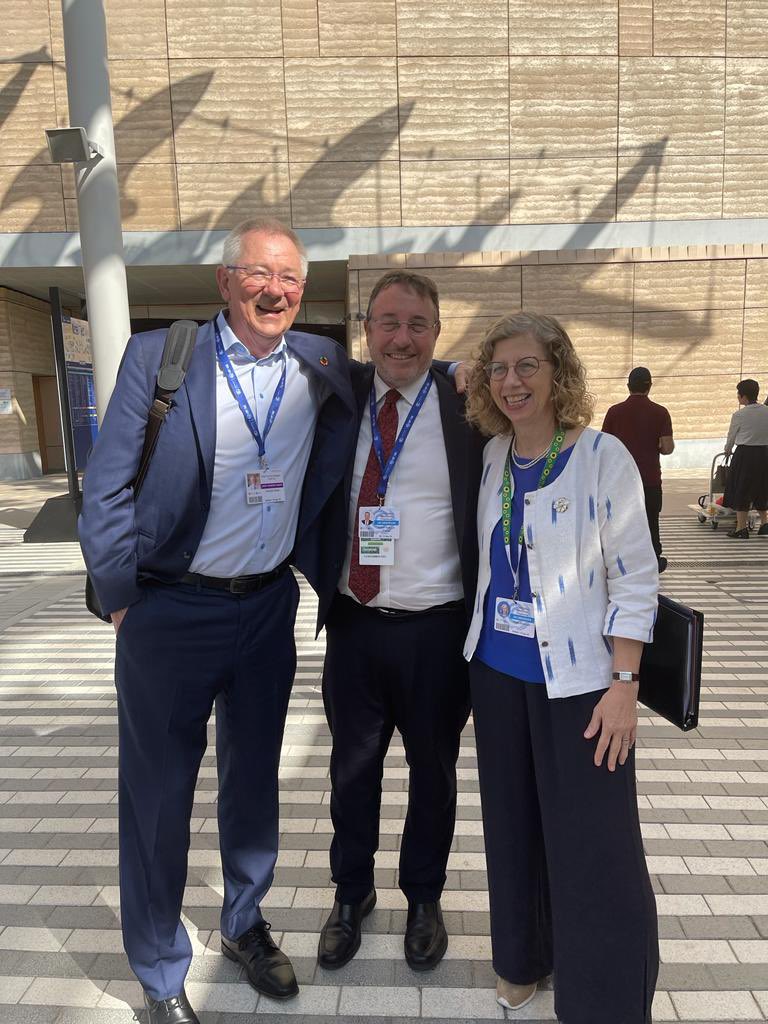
column 506, row 488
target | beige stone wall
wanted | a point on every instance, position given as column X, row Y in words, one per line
column 696, row 316
column 26, row 349
column 402, row 112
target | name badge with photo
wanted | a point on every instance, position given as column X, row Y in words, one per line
column 378, row 528
column 264, row 485
column 514, row 617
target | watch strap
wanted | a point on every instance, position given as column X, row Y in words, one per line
column 625, row 677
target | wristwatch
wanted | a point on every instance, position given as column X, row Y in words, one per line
column 625, row 677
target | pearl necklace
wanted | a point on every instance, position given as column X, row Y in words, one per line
column 526, row 464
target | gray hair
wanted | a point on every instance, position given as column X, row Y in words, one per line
column 232, row 247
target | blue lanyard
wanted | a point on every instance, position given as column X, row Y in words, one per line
column 378, row 447
column 237, row 393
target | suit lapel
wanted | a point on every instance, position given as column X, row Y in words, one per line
column 361, row 386
column 200, row 386
column 456, row 449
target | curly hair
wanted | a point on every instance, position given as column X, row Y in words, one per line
column 573, row 403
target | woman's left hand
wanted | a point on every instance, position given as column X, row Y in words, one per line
column 615, row 718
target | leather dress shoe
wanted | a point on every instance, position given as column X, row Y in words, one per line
column 426, row 939
column 175, row 1010
column 340, row 937
column 268, row 969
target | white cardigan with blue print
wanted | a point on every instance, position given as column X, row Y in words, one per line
column 591, row 563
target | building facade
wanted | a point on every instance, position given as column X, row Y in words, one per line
column 605, row 161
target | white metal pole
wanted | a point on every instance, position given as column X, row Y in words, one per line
column 98, row 200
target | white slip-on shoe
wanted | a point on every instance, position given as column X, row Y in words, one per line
column 514, row 997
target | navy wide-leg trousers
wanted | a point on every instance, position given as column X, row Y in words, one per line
column 179, row 650
column 568, row 884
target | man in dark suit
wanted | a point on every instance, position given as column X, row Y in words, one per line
column 195, row 574
column 394, row 603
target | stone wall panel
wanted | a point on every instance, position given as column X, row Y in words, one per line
column 453, row 108
column 447, row 28
column 562, row 191
column 559, row 290
column 671, row 105
column 677, row 343
column 754, row 357
column 746, row 106
column 352, row 194
column 357, row 28
column 238, row 28
column 670, row 187
column 687, row 27
column 214, row 102
column 220, row 195
column 342, row 109
column 698, row 284
column 455, row 191
column 563, row 26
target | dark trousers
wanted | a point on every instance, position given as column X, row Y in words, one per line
column 178, row 650
column 383, row 674
column 652, row 511
column 568, row 884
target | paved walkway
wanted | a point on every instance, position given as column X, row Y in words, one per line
column 704, row 807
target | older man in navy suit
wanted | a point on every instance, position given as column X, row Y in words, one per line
column 195, row 573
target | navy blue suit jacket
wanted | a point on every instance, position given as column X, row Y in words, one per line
column 464, row 450
column 155, row 537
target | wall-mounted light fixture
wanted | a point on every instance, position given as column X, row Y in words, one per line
column 71, row 146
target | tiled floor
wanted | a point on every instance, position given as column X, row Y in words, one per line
column 704, row 807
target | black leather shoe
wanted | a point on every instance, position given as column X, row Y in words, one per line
column 268, row 969
column 175, row 1010
column 426, row 939
column 340, row 937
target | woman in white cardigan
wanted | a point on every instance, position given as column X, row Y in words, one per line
column 566, row 597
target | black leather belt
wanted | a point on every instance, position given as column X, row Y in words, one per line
column 404, row 613
column 236, row 584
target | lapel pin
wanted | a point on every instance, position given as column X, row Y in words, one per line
column 323, row 360
column 560, row 505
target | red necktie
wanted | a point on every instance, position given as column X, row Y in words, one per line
column 365, row 580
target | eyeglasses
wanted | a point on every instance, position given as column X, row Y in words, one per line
column 525, row 367
column 416, row 328
column 261, row 278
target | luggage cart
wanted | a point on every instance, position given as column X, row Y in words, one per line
column 707, row 510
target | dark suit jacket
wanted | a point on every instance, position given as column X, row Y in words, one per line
column 125, row 542
column 464, row 449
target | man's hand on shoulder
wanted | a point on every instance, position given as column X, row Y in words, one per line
column 460, row 375
column 117, row 618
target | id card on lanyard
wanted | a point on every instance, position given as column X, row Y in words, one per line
column 511, row 615
column 267, row 483
column 379, row 525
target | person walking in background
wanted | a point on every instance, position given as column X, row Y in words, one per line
column 747, row 482
column 645, row 429
column 554, row 684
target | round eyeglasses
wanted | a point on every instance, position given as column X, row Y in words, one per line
column 525, row 367
column 416, row 328
column 261, row 278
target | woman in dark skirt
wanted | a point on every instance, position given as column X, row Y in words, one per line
column 747, row 483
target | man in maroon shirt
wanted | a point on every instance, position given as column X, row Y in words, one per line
column 645, row 429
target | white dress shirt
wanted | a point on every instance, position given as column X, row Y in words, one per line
column 240, row 539
column 426, row 570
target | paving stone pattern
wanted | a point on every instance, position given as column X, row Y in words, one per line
column 703, row 804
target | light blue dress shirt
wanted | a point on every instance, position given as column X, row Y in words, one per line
column 240, row 539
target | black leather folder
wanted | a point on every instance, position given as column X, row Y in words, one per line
column 670, row 671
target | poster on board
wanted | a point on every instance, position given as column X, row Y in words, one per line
column 82, row 396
